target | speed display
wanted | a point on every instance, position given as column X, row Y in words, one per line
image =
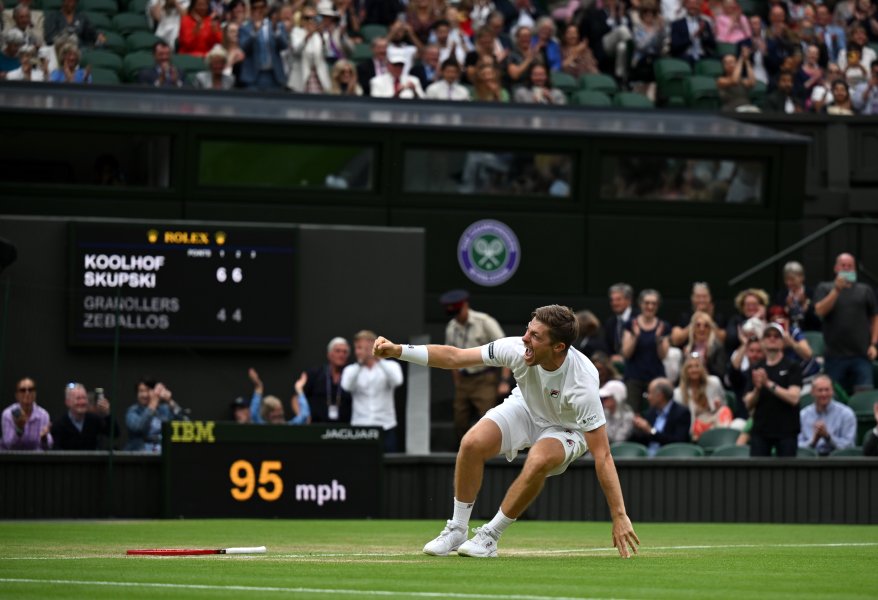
column 182, row 285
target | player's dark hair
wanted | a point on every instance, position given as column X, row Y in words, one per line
column 561, row 321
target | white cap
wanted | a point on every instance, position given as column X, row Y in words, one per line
column 396, row 55
column 616, row 389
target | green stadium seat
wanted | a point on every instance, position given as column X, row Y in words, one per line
column 862, row 403
column 135, row 62
column 679, row 450
column 675, row 102
column 108, row 7
column 590, row 98
column 141, row 40
column 136, row 6
column 806, row 452
column 102, row 59
column 49, row 5
column 628, row 450
column 188, row 63
column 805, row 400
column 99, row 20
column 598, row 82
column 361, row 53
column 712, row 439
column 815, row 340
column 114, row 42
column 632, row 100
column 126, row 23
column 701, row 92
column 101, row 76
column 723, row 48
column 731, row 451
column 846, row 452
column 670, row 75
column 372, row 31
column 709, row 67
column 758, row 93
column 564, row 82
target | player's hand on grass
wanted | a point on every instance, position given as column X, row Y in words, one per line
column 624, row 538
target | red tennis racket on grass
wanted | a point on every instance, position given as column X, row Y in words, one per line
column 195, row 551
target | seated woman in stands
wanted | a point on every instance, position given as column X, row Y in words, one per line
column 704, row 396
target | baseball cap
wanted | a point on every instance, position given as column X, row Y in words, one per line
column 240, row 402
column 616, row 389
column 454, row 297
column 396, row 56
column 775, row 326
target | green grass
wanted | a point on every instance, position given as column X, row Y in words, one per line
column 382, row 559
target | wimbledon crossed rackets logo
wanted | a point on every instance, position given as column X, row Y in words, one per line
column 488, row 252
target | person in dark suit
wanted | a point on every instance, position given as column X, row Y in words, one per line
column 163, row 73
column 82, row 426
column 692, row 36
column 373, row 67
column 621, row 296
column 666, row 421
column 262, row 40
column 427, row 69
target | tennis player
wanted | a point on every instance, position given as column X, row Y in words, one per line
column 555, row 410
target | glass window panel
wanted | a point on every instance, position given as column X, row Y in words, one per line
column 487, row 172
column 730, row 181
column 285, row 165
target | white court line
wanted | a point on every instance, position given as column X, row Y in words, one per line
column 291, row 590
column 413, row 553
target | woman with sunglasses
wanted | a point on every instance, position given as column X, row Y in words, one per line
column 26, row 426
column 344, row 79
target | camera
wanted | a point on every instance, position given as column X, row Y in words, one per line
column 16, row 413
column 99, row 394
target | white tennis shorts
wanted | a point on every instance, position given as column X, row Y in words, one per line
column 519, row 432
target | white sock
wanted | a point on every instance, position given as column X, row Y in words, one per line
column 500, row 522
column 462, row 512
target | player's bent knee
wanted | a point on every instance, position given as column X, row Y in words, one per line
column 482, row 440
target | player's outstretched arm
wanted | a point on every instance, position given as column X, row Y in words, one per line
column 434, row 355
column 624, row 538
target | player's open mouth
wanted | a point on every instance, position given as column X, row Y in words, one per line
column 528, row 352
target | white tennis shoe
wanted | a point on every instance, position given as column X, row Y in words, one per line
column 448, row 541
column 482, row 545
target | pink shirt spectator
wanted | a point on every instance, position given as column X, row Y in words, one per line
column 730, row 32
column 29, row 439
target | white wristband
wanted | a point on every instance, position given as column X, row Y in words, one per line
column 414, row 354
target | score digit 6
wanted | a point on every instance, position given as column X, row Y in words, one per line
column 243, row 477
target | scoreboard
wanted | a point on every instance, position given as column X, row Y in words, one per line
column 182, row 285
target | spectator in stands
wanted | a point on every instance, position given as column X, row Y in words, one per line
column 666, row 421
column 241, row 411
column 262, row 42
column 369, row 69
column 752, row 305
column 199, row 30
column 349, row 19
column 521, row 57
column 608, row 30
column 26, row 425
column 215, row 77
column 401, row 38
column 861, row 41
column 484, row 52
column 22, row 21
column 13, row 41
column 606, row 369
column 486, row 85
column 704, row 342
column 344, row 79
column 620, row 417
column 703, row 395
column 796, row 346
column 742, row 360
column 827, row 424
column 865, row 15
column 309, row 71
column 69, row 20
column 829, row 35
column 795, row 297
column 451, row 43
column 539, row 89
column 235, row 56
column 810, row 72
column 336, row 40
column 590, row 339
column 650, row 35
column 371, row 382
column 329, row 403
column 735, row 83
column 701, row 300
column 422, row 15
column 644, row 345
column 759, row 49
column 448, row 87
column 841, row 100
column 270, row 410
column 31, row 68
column 577, row 58
column 69, row 70
column 865, row 95
column 620, row 296
column 780, row 42
column 850, row 326
column 546, row 44
column 692, row 36
column 395, row 83
column 82, row 426
column 854, row 71
column 732, row 27
column 773, row 398
column 870, row 443
column 163, row 73
column 821, row 95
column 155, row 405
column 427, row 68
column 236, row 12
column 166, row 17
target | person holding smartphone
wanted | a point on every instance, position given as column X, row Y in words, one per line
column 850, row 326
column 26, row 426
